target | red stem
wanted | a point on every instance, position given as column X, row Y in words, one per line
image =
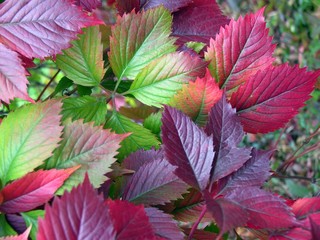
column 45, row 88
column 195, row 225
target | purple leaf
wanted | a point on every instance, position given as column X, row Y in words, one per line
column 79, row 214
column 88, row 5
column 163, row 224
column 227, row 133
column 154, row 183
column 172, row 5
column 187, row 147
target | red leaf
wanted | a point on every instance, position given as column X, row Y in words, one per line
column 200, row 234
column 305, row 206
column 154, row 183
column 187, row 147
column 197, row 98
column 163, row 224
column 130, row 221
column 126, row 6
column 227, row 133
column 292, row 234
column 240, row 50
column 272, row 97
column 199, row 21
column 80, row 214
column 315, row 226
column 13, row 82
column 32, row 190
column 88, row 5
column 23, row 236
column 172, row 5
column 49, row 25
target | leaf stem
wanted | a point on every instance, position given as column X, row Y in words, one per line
column 277, row 175
column 48, row 84
column 195, row 225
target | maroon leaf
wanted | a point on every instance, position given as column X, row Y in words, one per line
column 227, row 133
column 200, row 234
column 163, row 225
column 79, row 214
column 199, row 21
column 88, row 5
column 239, row 50
column 130, row 221
column 187, row 147
column 49, row 26
column 172, row 5
column 265, row 209
column 272, row 97
column 154, row 183
column 13, row 82
column 252, row 174
column 126, row 6
column 32, row 190
column 315, row 227
column 23, row 236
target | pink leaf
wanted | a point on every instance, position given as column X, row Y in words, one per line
column 41, row 28
column 239, row 50
column 88, row 5
column 23, row 236
column 187, row 147
column 79, row 214
column 197, row 98
column 268, row 100
column 130, row 221
column 292, row 234
column 315, row 226
column 154, row 183
column 13, row 82
column 32, row 190
column 163, row 224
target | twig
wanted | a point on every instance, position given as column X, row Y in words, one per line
column 195, row 225
column 277, row 175
column 45, row 88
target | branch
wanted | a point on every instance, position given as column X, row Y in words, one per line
column 45, row 88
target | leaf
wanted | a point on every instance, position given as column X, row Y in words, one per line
column 49, row 25
column 272, row 97
column 140, row 137
column 32, row 190
column 5, row 229
column 163, row 225
column 137, row 113
column 159, row 81
column 265, row 209
column 78, row 214
column 62, row 85
column 91, row 147
column 28, row 137
column 225, row 127
column 83, row 62
column 315, row 227
column 130, row 221
column 200, row 234
column 31, row 219
column 23, row 236
column 306, row 206
column 137, row 39
column 172, row 5
column 292, row 234
column 187, row 147
column 197, row 98
column 88, row 108
column 199, row 21
column 88, row 5
column 125, row 6
column 154, row 183
column 153, row 123
column 13, row 82
column 240, row 50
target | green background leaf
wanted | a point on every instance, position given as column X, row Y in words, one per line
column 31, row 219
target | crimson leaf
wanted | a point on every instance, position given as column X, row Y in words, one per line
column 187, row 147
column 272, row 97
column 79, row 214
column 227, row 133
column 305, row 206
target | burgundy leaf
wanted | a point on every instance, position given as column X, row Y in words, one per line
column 163, row 224
column 126, row 6
column 305, row 206
column 272, row 97
column 227, row 133
column 79, row 214
column 315, row 227
column 88, row 5
column 239, row 50
column 187, row 147
column 41, row 28
column 130, row 221
column 252, row 174
column 154, row 183
column 292, row 234
column 172, row 5
column 13, row 82
column 23, row 236
column 199, row 21
column 265, row 209
column 200, row 234
column 32, row 190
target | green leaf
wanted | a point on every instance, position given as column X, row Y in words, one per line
column 123, row 86
column 84, row 91
column 31, row 219
column 196, row 46
column 63, row 84
column 153, row 123
column 28, row 137
column 5, row 228
column 91, row 147
column 139, row 38
column 140, row 137
column 158, row 82
column 83, row 62
column 90, row 109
